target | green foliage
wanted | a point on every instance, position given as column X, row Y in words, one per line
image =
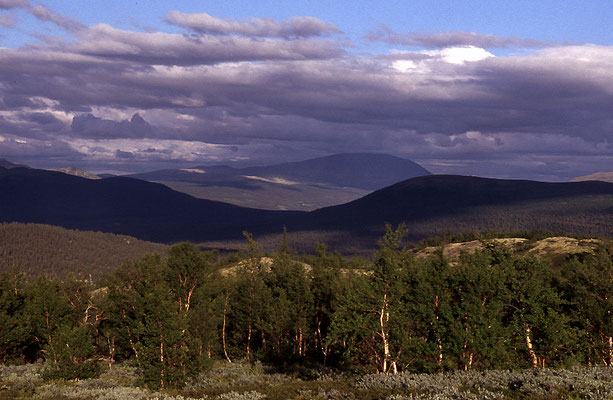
column 13, row 330
column 148, row 305
column 72, row 349
column 588, row 299
column 175, row 317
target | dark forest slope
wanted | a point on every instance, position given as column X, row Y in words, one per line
column 434, row 204
column 4, row 163
column 129, row 206
column 36, row 249
column 430, row 205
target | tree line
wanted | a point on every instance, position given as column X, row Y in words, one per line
column 491, row 309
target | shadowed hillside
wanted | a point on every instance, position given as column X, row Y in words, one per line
column 430, row 205
column 436, row 204
column 146, row 210
column 4, row 163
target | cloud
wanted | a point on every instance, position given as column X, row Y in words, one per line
column 8, row 21
column 451, row 39
column 451, row 55
column 89, row 126
column 296, row 27
column 157, row 48
column 44, row 14
column 9, row 4
column 124, row 154
column 174, row 99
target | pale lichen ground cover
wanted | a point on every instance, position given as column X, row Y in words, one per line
column 244, row 381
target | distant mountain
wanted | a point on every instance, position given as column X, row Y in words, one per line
column 77, row 172
column 4, row 163
column 305, row 185
column 129, row 206
column 368, row 171
column 598, row 176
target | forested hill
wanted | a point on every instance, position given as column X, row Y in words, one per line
column 431, row 205
column 51, row 250
column 4, row 163
column 129, row 206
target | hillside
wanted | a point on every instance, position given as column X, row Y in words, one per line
column 46, row 249
column 451, row 196
column 78, row 172
column 134, row 207
column 305, row 185
column 4, row 163
column 432, row 205
column 367, row 171
column 598, row 176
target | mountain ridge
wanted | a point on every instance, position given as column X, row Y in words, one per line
column 429, row 205
column 435, row 204
column 4, row 163
column 119, row 205
column 303, row 185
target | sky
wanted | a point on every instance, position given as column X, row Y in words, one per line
column 520, row 89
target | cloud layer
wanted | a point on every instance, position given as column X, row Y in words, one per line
column 452, row 39
column 260, row 91
column 297, row 27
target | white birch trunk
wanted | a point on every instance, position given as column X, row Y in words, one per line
column 535, row 361
column 383, row 318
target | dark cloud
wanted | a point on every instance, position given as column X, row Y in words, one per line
column 451, row 39
column 124, row 154
column 43, row 118
column 297, row 27
column 89, row 126
column 33, row 151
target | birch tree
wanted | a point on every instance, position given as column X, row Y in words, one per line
column 372, row 314
column 533, row 310
column 588, row 291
